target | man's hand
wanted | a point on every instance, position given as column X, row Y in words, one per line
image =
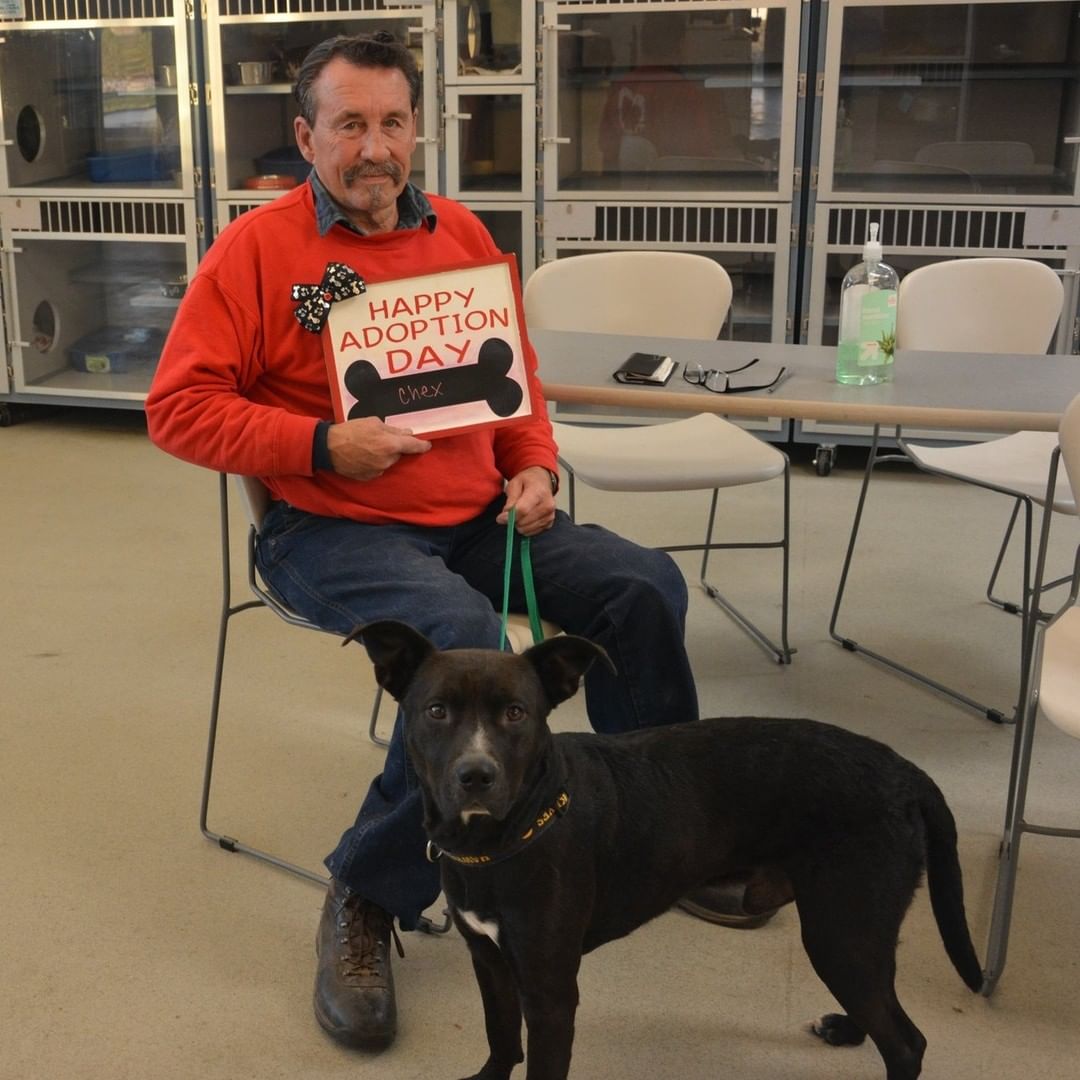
column 529, row 493
column 365, row 449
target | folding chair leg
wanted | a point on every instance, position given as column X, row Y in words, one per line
column 782, row 652
column 225, row 842
column 230, row 843
column 1015, row 826
column 1005, row 605
column 426, row 926
column 1010, row 606
column 228, row 610
column 373, row 734
column 1009, row 852
column 996, row 715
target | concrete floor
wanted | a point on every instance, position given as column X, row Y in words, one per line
column 133, row 948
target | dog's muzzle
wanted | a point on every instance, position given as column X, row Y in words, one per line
column 475, row 785
column 476, row 774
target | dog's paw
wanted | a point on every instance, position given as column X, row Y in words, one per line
column 492, row 1071
column 838, row 1030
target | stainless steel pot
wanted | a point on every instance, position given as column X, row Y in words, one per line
column 252, row 72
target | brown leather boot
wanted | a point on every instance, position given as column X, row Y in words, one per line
column 354, row 988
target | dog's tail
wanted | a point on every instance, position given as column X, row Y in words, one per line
column 947, row 885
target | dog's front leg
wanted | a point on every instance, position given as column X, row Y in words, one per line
column 549, row 998
column 502, row 1009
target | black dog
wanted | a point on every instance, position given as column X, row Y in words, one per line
column 554, row 844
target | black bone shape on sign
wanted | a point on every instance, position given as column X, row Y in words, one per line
column 486, row 381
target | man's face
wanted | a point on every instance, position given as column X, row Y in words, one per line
column 362, row 141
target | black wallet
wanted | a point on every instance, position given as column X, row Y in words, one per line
column 652, row 368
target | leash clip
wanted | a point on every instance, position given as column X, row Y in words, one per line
column 433, row 853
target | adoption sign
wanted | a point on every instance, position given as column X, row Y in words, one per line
column 438, row 353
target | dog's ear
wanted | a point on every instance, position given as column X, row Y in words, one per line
column 561, row 661
column 396, row 650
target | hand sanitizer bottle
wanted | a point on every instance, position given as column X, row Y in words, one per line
column 867, row 319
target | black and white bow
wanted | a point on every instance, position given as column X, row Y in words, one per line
column 339, row 282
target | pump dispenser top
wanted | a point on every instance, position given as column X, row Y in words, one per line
column 871, row 251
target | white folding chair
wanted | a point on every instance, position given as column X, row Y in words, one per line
column 659, row 294
column 256, row 501
column 976, row 305
column 1053, row 691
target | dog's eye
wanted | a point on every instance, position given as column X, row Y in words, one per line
column 514, row 713
column 437, row 710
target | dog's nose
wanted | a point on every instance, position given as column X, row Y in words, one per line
column 476, row 774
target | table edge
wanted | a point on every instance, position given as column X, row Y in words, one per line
column 775, row 405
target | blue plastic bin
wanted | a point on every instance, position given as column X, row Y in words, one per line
column 114, row 350
column 143, row 163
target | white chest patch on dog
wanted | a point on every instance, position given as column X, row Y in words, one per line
column 489, row 927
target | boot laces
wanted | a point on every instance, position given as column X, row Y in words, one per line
column 365, row 932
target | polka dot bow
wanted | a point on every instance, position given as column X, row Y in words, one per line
column 338, row 283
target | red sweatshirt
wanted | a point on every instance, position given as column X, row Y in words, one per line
column 241, row 384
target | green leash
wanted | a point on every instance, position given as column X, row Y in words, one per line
column 527, row 579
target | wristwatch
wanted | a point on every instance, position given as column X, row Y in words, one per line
column 554, row 476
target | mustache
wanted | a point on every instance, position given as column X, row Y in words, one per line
column 367, row 168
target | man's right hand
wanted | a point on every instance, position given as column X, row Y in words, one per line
column 365, row 449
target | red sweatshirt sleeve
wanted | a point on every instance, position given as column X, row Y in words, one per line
column 198, row 408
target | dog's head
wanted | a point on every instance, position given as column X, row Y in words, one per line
column 475, row 719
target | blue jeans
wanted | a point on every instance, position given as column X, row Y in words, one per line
column 448, row 584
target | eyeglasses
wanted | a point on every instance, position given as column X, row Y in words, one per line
column 719, row 382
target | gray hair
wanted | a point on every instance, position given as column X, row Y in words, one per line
column 380, row 50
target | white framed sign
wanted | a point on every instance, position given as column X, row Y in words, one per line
column 438, row 353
